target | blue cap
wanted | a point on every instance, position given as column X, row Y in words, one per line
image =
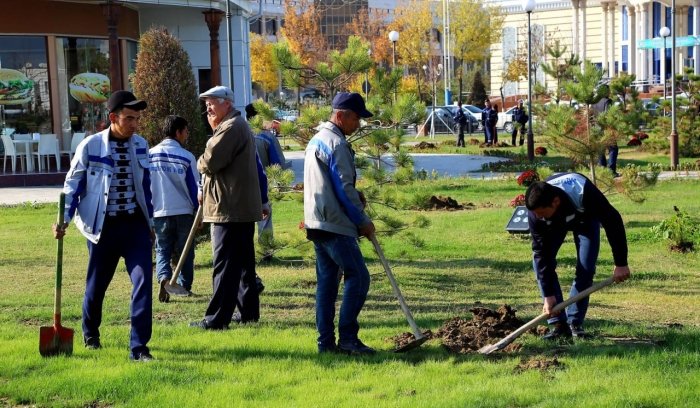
column 223, row 92
column 351, row 101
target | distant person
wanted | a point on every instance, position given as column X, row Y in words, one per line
column 232, row 203
column 174, row 184
column 334, row 217
column 108, row 190
column 570, row 202
column 495, row 125
column 489, row 118
column 599, row 107
column 520, row 119
column 461, row 120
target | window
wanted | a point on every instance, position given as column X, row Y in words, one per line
column 25, row 105
column 84, row 83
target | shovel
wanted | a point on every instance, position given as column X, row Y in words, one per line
column 173, row 287
column 56, row 339
column 532, row 323
column 419, row 337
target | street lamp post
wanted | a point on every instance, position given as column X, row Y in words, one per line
column 664, row 32
column 674, row 134
column 529, row 6
column 393, row 37
column 433, row 73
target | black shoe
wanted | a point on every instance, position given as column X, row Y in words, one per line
column 163, row 295
column 144, row 356
column 356, row 348
column 328, row 349
column 236, row 318
column 578, row 331
column 558, row 331
column 92, row 343
column 203, row 324
column 259, row 284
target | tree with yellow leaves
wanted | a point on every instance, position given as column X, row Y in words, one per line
column 414, row 20
column 262, row 67
column 478, row 27
column 302, row 30
column 372, row 28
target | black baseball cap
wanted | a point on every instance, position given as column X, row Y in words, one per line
column 351, row 101
column 124, row 99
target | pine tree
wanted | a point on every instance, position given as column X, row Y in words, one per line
column 164, row 79
column 478, row 95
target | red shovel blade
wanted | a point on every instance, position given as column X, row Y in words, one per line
column 55, row 340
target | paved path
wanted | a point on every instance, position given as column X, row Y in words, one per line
column 452, row 165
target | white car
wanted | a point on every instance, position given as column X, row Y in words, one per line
column 505, row 120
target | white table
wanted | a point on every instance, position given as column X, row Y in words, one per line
column 28, row 150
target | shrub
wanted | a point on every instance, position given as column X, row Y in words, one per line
column 541, row 151
column 518, row 200
column 634, row 142
column 680, row 229
column 528, row 177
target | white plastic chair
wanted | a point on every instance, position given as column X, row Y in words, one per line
column 11, row 151
column 74, row 142
column 48, row 146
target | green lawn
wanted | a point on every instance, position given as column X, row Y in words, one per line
column 468, row 258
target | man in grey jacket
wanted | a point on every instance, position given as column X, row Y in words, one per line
column 334, row 217
column 232, row 203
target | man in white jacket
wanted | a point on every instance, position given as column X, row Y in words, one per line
column 108, row 190
column 174, row 186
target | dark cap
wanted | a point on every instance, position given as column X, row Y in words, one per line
column 124, row 99
column 351, row 101
column 250, row 111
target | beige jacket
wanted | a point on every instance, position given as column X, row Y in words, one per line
column 231, row 191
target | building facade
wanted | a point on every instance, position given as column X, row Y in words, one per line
column 69, row 55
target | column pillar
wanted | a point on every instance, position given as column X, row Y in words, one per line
column 574, row 29
column 605, row 37
column 632, row 32
column 111, row 12
column 640, row 36
column 611, row 8
column 682, row 20
column 584, row 34
column 213, row 19
column 696, row 27
column 650, row 34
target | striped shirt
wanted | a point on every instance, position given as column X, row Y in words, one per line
column 122, row 197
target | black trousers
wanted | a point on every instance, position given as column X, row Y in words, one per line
column 460, row 135
column 523, row 129
column 234, row 274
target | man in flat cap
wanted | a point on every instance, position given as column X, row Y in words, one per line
column 334, row 218
column 232, row 202
column 108, row 195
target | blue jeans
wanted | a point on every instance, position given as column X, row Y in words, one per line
column 171, row 235
column 587, row 241
column 336, row 257
column 611, row 162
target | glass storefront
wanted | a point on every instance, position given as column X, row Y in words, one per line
column 25, row 104
column 84, row 85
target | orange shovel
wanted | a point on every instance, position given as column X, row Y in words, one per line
column 56, row 339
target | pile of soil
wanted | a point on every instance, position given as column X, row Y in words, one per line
column 539, row 363
column 486, row 327
column 444, row 203
column 405, row 338
column 425, row 145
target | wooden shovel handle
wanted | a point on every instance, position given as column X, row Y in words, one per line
column 59, row 264
column 188, row 245
column 559, row 307
column 414, row 327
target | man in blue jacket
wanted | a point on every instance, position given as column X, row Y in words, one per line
column 461, row 120
column 489, row 117
column 520, row 118
column 334, row 217
column 174, row 184
column 570, row 202
column 108, row 190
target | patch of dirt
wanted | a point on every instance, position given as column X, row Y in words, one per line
column 485, row 328
column 444, row 203
column 425, row 146
column 539, row 363
column 473, row 142
column 683, row 247
column 405, row 338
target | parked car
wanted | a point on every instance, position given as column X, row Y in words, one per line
column 310, row 93
column 474, row 112
column 505, row 120
column 444, row 119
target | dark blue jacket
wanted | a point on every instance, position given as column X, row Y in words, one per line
column 460, row 118
column 519, row 116
column 578, row 206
